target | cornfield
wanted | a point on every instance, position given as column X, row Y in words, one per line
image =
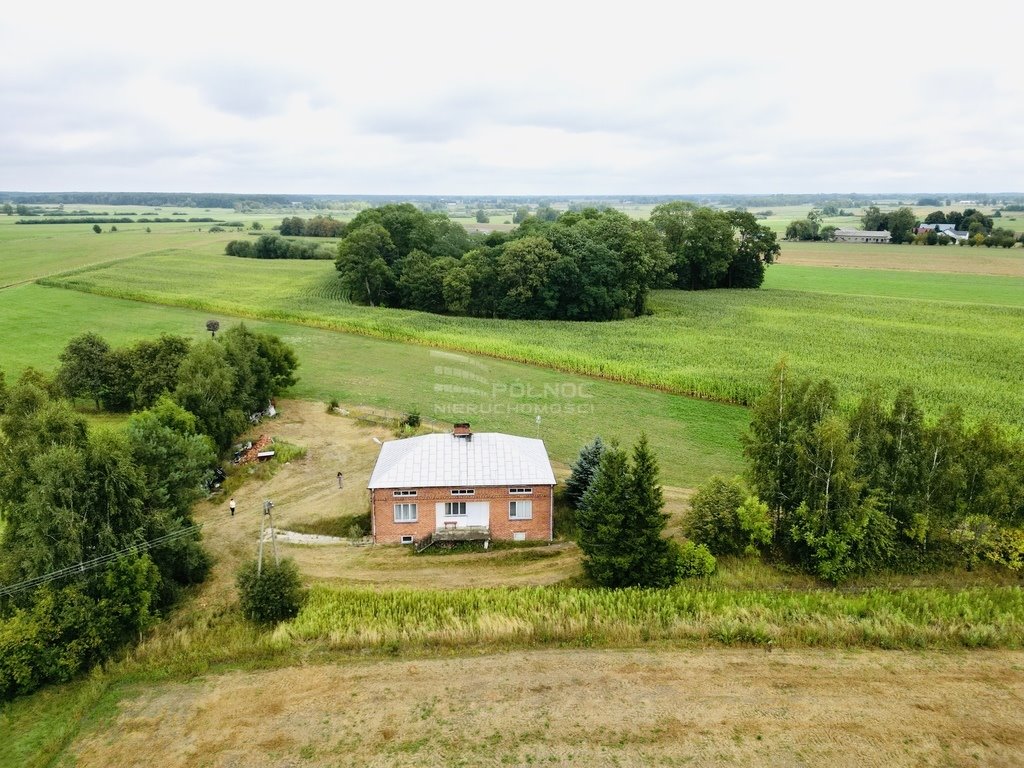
column 990, row 617
column 715, row 345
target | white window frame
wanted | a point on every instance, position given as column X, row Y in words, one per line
column 449, row 506
column 408, row 539
column 520, row 490
column 514, row 507
column 407, row 507
column 404, row 493
column 463, row 492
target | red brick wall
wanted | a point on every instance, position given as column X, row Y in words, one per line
column 387, row 531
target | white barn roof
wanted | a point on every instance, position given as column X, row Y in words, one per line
column 488, row 458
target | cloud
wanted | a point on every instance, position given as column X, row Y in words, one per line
column 541, row 98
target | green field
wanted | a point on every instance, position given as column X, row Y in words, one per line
column 857, row 327
column 996, row 290
column 693, row 438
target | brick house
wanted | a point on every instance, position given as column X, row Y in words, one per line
column 462, row 486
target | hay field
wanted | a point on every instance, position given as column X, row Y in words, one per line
column 575, row 707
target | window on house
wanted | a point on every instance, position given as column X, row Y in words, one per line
column 520, row 510
column 405, row 513
column 520, row 490
column 407, row 539
column 454, row 508
column 462, row 491
column 405, row 493
column 519, row 536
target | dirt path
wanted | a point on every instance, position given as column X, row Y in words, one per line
column 587, row 708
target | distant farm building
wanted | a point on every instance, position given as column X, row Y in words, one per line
column 949, row 230
column 462, row 486
column 862, row 236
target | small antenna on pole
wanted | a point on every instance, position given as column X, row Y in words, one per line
column 538, row 425
column 267, row 521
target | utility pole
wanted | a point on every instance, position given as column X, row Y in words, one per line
column 267, row 521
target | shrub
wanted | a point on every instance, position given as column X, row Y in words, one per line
column 241, row 248
column 68, row 630
column 755, row 524
column 285, row 452
column 411, row 420
column 713, row 519
column 695, row 561
column 271, row 596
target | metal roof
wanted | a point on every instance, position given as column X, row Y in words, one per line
column 863, row 232
column 488, row 458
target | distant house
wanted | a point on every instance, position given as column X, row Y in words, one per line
column 862, row 236
column 462, row 486
column 949, row 230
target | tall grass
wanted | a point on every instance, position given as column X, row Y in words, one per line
column 991, row 617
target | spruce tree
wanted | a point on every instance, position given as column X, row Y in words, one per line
column 621, row 523
column 583, row 470
column 601, row 521
column 655, row 558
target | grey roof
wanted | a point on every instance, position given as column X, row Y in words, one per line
column 489, row 458
column 863, row 232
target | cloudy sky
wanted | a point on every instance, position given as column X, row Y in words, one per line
column 516, row 98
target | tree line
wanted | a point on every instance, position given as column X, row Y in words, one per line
column 70, row 495
column 318, row 226
column 275, row 247
column 586, row 265
column 221, row 381
column 878, row 488
column 902, row 224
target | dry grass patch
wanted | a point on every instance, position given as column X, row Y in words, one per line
column 585, row 708
column 911, row 258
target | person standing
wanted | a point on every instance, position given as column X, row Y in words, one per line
column 231, row 506
column 341, row 480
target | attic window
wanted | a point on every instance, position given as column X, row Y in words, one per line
column 463, row 491
column 405, row 493
column 520, row 490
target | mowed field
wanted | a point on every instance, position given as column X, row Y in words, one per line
column 956, row 338
column 915, row 259
column 583, row 708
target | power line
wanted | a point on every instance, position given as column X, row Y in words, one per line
column 99, row 562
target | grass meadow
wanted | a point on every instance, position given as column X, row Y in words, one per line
column 693, row 438
column 955, row 338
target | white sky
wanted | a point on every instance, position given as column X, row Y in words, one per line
column 515, row 98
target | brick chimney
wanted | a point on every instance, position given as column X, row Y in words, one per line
column 462, row 430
